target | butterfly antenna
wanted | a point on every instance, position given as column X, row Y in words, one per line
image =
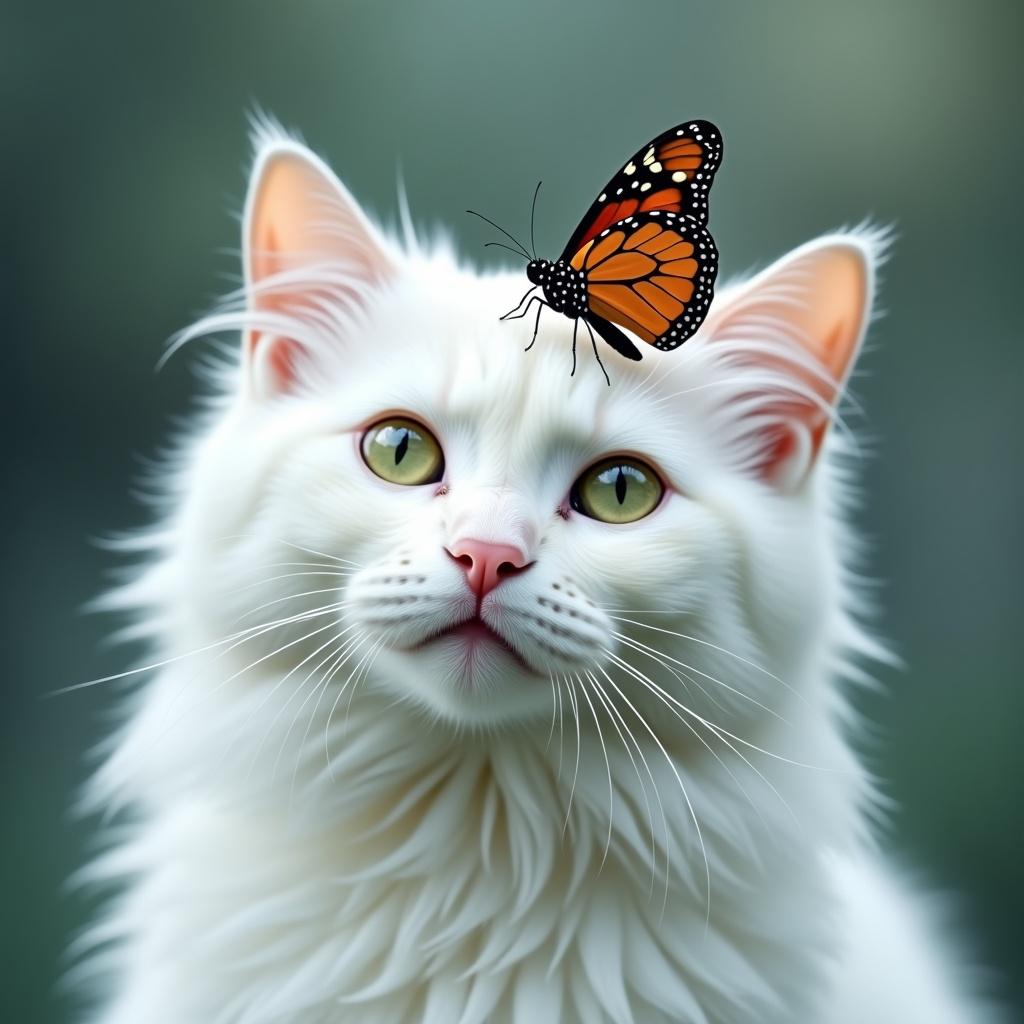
column 503, row 231
column 502, row 245
column 533, row 210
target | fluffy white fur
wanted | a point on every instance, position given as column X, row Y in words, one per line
column 663, row 822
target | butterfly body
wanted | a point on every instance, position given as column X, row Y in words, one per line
column 564, row 287
column 642, row 258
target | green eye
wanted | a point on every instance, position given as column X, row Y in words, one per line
column 617, row 490
column 403, row 451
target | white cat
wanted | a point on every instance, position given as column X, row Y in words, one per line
column 487, row 693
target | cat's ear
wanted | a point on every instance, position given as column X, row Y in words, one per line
column 305, row 240
column 796, row 329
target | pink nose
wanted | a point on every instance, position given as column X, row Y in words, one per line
column 487, row 564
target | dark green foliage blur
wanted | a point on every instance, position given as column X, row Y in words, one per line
column 124, row 141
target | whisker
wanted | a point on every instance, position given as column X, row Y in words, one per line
column 607, row 766
column 338, row 652
column 295, row 692
column 304, row 565
column 362, row 670
column 287, row 620
column 323, row 686
column 714, row 731
column 653, row 687
column 208, row 695
column 252, row 631
column 764, row 778
column 613, row 714
column 682, row 789
column 738, row 739
column 287, row 597
column 288, row 576
column 682, row 677
column 335, row 559
column 644, row 649
column 561, row 734
column 571, row 691
column 334, row 707
column 554, row 708
column 321, row 554
column 714, row 647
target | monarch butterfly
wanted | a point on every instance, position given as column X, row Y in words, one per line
column 642, row 256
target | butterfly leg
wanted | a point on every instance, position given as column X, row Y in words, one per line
column 536, row 325
column 526, row 309
column 575, row 326
column 518, row 311
column 597, row 355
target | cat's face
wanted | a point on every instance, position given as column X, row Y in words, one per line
column 464, row 525
column 487, row 558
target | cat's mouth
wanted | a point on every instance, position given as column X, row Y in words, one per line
column 475, row 633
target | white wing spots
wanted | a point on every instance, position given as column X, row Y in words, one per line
column 645, row 186
column 602, row 197
column 649, row 156
column 679, row 176
column 630, row 168
column 656, row 167
column 694, row 311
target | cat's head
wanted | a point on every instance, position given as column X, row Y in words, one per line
column 422, row 508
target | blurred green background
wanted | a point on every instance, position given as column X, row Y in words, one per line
column 125, row 148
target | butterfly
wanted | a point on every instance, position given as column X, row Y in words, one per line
column 642, row 257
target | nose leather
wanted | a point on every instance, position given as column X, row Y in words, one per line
column 487, row 564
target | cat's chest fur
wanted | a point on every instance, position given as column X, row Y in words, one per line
column 453, row 880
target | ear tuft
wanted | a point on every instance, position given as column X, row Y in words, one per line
column 305, row 241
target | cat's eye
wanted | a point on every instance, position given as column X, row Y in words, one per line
column 617, row 490
column 403, row 451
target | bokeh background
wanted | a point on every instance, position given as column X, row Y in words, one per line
column 124, row 140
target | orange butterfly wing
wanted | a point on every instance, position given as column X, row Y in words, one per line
column 672, row 173
column 652, row 274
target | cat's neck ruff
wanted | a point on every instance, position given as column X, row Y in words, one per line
column 429, row 871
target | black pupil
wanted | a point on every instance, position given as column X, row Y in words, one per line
column 402, row 447
column 620, row 486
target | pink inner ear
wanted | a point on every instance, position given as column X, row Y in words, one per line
column 781, row 447
column 299, row 215
column 280, row 359
column 819, row 299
